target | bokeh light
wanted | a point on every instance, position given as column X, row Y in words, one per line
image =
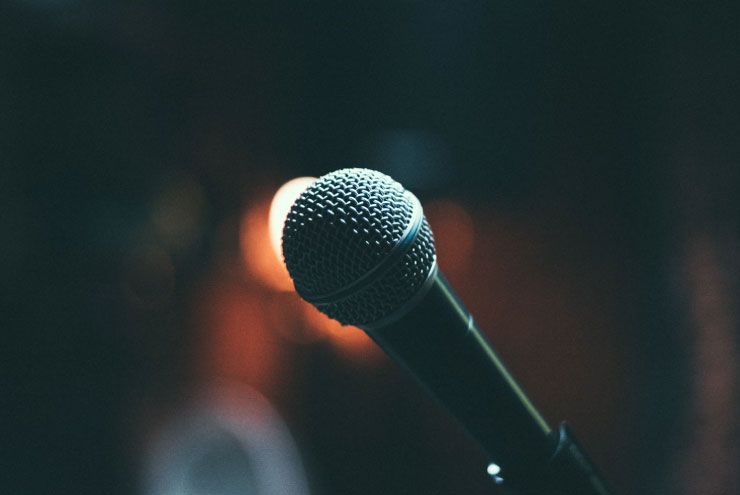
column 237, row 341
column 350, row 341
column 178, row 213
column 261, row 252
column 454, row 235
column 280, row 207
column 261, row 232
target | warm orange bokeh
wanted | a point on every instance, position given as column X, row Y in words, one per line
column 261, row 231
column 238, row 343
column 257, row 253
column 261, row 254
column 280, row 207
column 454, row 235
column 351, row 340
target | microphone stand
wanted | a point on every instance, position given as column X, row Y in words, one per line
column 569, row 471
column 441, row 345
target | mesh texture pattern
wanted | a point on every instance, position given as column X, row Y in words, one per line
column 340, row 228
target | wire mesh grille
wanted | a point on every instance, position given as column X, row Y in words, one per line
column 342, row 227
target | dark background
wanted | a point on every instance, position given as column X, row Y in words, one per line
column 592, row 149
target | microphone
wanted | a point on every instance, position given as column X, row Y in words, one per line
column 358, row 247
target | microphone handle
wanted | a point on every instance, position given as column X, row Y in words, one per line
column 438, row 341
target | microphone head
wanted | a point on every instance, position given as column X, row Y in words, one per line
column 357, row 246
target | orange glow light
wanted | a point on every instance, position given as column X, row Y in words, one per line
column 454, row 235
column 261, row 232
column 261, row 250
column 279, row 208
column 350, row 340
column 237, row 343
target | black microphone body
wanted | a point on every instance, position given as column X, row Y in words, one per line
column 438, row 342
column 358, row 247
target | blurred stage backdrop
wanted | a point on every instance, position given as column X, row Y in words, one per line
column 579, row 166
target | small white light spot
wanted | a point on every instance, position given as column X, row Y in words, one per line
column 493, row 469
